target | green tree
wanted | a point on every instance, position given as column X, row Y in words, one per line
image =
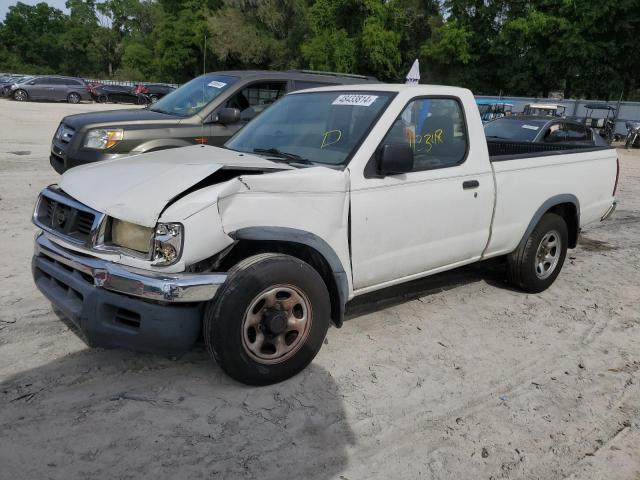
column 31, row 35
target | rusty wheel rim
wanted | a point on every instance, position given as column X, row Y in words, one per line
column 276, row 324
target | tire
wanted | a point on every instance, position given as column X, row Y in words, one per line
column 20, row 96
column 73, row 98
column 153, row 98
column 103, row 99
column 536, row 263
column 249, row 316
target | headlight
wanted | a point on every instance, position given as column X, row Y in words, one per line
column 131, row 236
column 162, row 244
column 102, row 139
column 167, row 243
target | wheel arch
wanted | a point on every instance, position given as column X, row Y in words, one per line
column 567, row 206
column 160, row 144
column 300, row 244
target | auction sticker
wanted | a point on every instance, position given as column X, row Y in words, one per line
column 530, row 127
column 357, row 100
column 216, row 84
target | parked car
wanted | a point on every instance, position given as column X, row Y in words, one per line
column 118, row 94
column 51, row 87
column 91, row 86
column 154, row 91
column 192, row 114
column 330, row 194
column 544, row 130
column 544, row 109
column 9, row 81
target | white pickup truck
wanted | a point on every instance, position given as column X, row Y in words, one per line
column 329, row 194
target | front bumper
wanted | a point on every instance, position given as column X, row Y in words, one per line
column 66, row 156
column 114, row 306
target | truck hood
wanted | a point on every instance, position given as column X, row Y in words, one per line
column 118, row 117
column 138, row 188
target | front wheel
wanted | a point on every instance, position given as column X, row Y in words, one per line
column 268, row 320
column 20, row 96
column 73, row 98
column 536, row 263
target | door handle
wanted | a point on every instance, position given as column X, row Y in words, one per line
column 470, row 184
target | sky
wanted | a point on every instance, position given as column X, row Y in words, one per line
column 5, row 4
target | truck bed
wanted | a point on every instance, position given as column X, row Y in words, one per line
column 500, row 150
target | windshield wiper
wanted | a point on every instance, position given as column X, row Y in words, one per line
column 283, row 155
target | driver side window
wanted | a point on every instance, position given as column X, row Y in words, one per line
column 555, row 134
column 255, row 98
column 435, row 130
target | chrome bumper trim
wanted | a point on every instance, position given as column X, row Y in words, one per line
column 156, row 286
column 609, row 211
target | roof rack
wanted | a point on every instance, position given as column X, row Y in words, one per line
column 333, row 74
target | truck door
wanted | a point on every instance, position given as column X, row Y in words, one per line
column 435, row 216
column 251, row 100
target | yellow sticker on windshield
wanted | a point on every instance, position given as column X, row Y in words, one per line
column 330, row 137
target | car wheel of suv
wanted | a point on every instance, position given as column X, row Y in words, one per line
column 103, row 99
column 269, row 319
column 20, row 95
column 73, row 98
column 537, row 262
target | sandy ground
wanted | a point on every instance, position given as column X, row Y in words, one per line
column 456, row 376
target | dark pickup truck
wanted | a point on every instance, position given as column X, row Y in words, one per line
column 207, row 110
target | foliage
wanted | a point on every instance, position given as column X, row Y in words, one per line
column 517, row 47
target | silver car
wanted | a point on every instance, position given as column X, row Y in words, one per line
column 57, row 88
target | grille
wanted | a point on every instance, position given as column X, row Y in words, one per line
column 59, row 214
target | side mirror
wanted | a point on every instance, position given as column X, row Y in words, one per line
column 228, row 116
column 394, row 159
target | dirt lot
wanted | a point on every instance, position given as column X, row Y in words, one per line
column 456, row 376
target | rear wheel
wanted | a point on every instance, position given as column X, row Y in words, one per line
column 103, row 99
column 73, row 98
column 537, row 262
column 20, row 96
column 268, row 320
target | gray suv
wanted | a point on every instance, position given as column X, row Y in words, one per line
column 207, row 110
column 69, row 89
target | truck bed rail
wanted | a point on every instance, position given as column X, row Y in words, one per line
column 500, row 150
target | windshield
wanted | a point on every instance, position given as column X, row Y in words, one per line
column 194, row 95
column 516, row 130
column 20, row 80
column 321, row 127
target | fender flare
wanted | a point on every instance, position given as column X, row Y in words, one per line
column 294, row 235
column 550, row 203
